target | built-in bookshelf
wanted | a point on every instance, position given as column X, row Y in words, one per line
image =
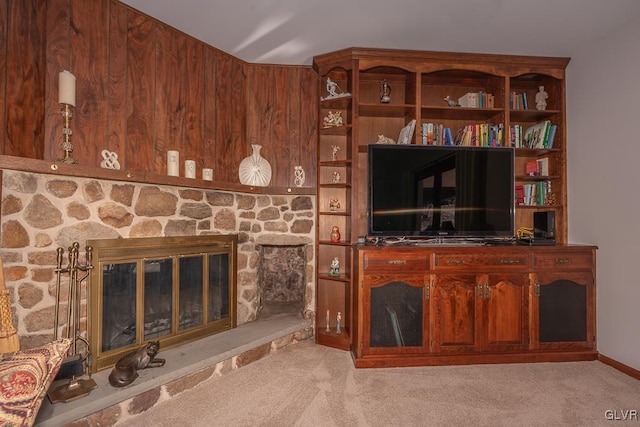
column 454, row 98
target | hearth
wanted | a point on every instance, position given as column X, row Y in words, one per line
column 171, row 289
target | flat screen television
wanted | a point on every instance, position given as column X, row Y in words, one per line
column 440, row 191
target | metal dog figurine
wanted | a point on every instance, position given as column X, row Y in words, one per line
column 126, row 369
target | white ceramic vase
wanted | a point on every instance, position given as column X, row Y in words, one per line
column 255, row 169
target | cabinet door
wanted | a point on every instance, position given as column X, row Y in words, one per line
column 505, row 316
column 395, row 308
column 563, row 311
column 456, row 304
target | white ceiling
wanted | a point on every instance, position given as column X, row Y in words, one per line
column 294, row 31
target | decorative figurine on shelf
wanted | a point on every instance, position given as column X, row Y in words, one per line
column 335, row 177
column 334, row 90
column 338, row 322
column 298, row 176
column 333, row 119
column 334, row 205
column 335, row 234
column 541, row 98
column 337, row 118
column 334, row 268
column 334, row 152
column 110, row 160
column 385, row 92
column 328, row 320
column 384, row 140
column 450, row 102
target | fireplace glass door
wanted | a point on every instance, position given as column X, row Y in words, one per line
column 169, row 289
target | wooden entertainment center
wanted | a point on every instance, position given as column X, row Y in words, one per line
column 416, row 304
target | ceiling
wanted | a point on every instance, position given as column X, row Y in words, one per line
column 294, row 31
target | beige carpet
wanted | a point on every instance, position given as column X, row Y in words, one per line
column 311, row 385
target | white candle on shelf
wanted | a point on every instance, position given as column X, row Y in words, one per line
column 66, row 88
column 173, row 163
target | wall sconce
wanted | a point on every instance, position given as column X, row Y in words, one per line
column 67, row 101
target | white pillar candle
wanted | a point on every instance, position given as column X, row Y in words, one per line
column 66, row 88
column 207, row 174
column 173, row 163
column 190, row 168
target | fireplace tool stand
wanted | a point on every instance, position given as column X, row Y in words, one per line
column 75, row 364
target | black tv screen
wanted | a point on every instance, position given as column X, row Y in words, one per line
column 446, row 191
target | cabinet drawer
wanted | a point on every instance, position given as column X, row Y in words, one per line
column 397, row 262
column 564, row 260
column 505, row 260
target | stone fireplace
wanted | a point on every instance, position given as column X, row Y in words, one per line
column 169, row 289
column 41, row 212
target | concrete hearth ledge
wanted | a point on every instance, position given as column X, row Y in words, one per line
column 181, row 361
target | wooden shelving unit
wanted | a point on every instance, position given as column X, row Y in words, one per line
column 419, row 83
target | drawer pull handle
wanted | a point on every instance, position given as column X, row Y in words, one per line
column 397, row 261
column 455, row 261
column 510, row 261
column 563, row 261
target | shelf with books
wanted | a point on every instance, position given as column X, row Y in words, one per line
column 432, row 87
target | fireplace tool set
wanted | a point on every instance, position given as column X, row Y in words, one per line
column 76, row 364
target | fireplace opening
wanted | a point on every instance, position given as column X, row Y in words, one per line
column 282, row 280
column 171, row 289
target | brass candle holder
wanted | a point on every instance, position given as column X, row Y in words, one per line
column 67, row 147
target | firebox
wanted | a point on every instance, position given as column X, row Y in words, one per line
column 169, row 289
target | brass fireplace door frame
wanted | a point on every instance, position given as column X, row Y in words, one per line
column 139, row 250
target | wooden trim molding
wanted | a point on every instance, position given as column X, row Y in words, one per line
column 632, row 372
column 53, row 168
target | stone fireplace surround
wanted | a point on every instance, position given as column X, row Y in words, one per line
column 41, row 212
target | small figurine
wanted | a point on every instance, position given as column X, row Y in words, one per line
column 335, row 234
column 299, row 176
column 385, row 92
column 450, row 102
column 334, row 90
column 328, row 320
column 541, row 98
column 334, row 152
column 334, row 205
column 334, row 268
column 332, row 87
column 338, row 322
column 384, row 140
column 335, row 177
column 337, row 119
column 329, row 120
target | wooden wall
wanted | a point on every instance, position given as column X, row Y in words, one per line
column 144, row 88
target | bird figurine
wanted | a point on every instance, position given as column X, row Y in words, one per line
column 450, row 102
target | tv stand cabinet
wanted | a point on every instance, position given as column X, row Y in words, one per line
column 448, row 305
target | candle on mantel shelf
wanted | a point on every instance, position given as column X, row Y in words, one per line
column 66, row 88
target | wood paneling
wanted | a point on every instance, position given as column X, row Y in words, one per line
column 144, row 88
column 283, row 125
column 24, row 79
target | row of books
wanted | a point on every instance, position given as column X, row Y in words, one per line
column 472, row 135
column 534, row 194
column 518, row 101
column 477, row 100
column 540, row 135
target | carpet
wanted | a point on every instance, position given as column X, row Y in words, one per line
column 312, row 385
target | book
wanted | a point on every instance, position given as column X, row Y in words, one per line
column 531, row 168
column 543, row 166
column 535, row 135
column 552, row 135
column 469, row 100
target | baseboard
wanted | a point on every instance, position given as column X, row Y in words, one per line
column 620, row 366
